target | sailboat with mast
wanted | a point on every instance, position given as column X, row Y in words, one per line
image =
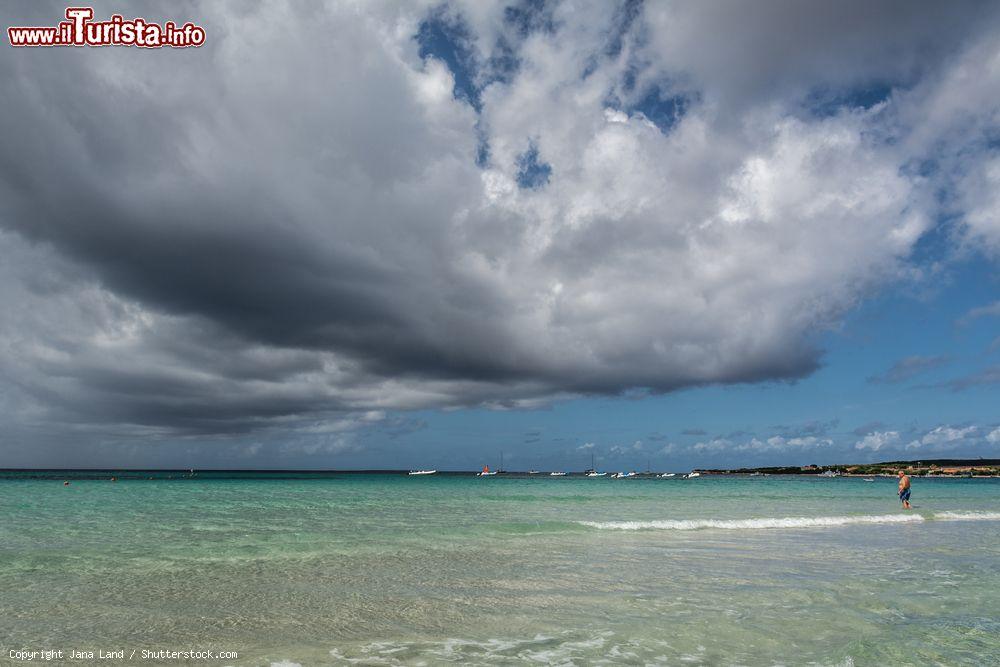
column 591, row 471
column 489, row 473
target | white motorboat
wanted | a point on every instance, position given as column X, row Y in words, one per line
column 532, row 472
column 669, row 474
column 422, row 472
column 693, row 474
column 557, row 474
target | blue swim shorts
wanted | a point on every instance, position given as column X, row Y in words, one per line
column 904, row 495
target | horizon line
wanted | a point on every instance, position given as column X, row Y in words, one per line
column 946, row 461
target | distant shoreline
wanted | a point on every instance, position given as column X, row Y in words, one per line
column 920, row 468
column 923, row 468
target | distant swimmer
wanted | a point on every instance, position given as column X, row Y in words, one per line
column 904, row 489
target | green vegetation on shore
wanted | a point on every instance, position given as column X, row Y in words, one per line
column 923, row 468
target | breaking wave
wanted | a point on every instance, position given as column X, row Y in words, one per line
column 967, row 516
column 786, row 522
column 752, row 524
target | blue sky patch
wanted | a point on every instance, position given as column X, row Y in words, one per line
column 447, row 38
column 664, row 110
column 662, row 107
column 531, row 172
column 528, row 16
column 482, row 148
column 624, row 18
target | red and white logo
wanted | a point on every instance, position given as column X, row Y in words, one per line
column 79, row 29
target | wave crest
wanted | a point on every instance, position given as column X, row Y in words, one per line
column 967, row 516
column 752, row 524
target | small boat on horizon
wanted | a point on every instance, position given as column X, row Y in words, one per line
column 557, row 474
column 692, row 474
column 668, row 474
column 421, row 472
column 488, row 473
column 532, row 472
column 592, row 471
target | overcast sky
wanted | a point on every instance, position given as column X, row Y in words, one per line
column 395, row 234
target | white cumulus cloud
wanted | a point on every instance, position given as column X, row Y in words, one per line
column 876, row 440
column 944, row 437
column 311, row 237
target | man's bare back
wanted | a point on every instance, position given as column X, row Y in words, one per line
column 904, row 489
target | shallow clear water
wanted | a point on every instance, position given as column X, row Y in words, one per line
column 390, row 569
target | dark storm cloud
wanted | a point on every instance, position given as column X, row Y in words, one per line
column 288, row 225
column 775, row 47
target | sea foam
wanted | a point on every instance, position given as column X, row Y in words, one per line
column 785, row 522
column 564, row 649
column 753, row 524
column 967, row 516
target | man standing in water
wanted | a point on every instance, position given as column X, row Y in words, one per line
column 904, row 489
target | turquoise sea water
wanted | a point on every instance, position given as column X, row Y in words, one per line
column 390, row 569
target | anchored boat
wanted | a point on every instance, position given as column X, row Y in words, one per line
column 488, row 473
column 591, row 471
